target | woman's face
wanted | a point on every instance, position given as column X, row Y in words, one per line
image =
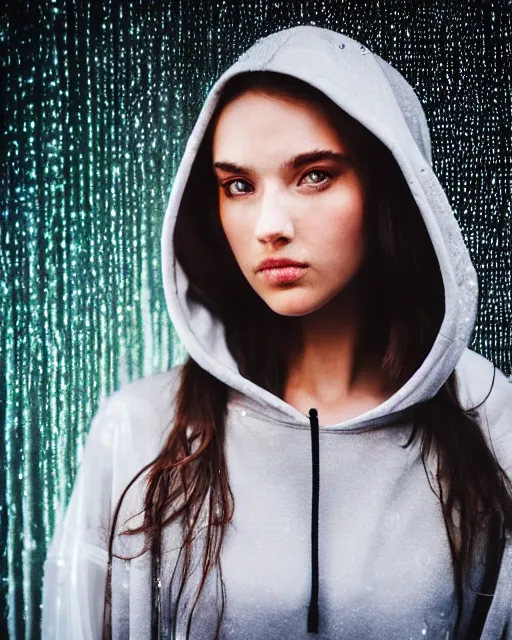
column 288, row 188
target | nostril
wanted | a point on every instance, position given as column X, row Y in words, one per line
column 273, row 238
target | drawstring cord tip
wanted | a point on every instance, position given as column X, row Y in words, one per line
column 313, row 619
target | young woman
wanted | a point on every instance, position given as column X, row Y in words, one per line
column 331, row 459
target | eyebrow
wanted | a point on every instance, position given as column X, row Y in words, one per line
column 295, row 162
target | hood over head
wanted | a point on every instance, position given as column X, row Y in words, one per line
column 373, row 92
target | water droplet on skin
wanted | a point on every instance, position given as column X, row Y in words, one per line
column 364, row 51
column 244, row 413
column 341, row 46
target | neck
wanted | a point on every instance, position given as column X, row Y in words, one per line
column 334, row 364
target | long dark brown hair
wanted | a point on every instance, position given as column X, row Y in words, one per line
column 402, row 319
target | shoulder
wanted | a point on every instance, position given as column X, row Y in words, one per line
column 155, row 392
column 477, row 378
column 127, row 433
column 132, row 422
column 487, row 388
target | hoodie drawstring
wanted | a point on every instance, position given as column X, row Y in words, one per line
column 313, row 603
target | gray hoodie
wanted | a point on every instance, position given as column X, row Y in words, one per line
column 383, row 565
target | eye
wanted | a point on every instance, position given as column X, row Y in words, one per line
column 318, row 177
column 237, row 191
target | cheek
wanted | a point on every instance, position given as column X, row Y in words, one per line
column 346, row 231
column 340, row 232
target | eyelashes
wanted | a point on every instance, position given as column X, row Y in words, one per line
column 325, row 174
column 226, row 188
column 317, row 185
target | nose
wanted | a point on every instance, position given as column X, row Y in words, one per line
column 274, row 220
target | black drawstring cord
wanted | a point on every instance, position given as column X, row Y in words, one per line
column 313, row 603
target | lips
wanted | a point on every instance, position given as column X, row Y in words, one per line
column 277, row 263
column 283, row 275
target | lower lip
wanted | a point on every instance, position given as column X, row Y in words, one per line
column 282, row 275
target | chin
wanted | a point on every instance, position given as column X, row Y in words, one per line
column 284, row 305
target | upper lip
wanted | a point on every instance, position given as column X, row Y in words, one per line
column 270, row 263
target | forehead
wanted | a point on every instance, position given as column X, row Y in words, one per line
column 256, row 120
